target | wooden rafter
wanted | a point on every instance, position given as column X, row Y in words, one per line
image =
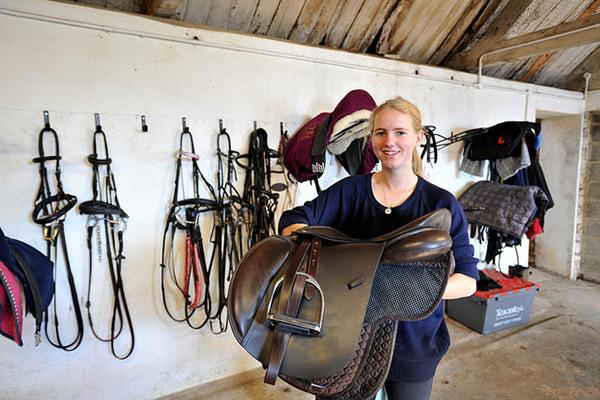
column 163, row 8
column 573, row 34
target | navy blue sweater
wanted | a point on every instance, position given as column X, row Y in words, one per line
column 349, row 206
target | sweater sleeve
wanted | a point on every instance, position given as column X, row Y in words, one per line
column 325, row 209
column 463, row 251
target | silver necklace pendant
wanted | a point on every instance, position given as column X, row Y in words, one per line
column 388, row 210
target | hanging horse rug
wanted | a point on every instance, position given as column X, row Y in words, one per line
column 319, row 309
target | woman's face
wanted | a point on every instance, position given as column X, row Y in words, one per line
column 394, row 139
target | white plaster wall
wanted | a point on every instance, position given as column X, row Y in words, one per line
column 593, row 101
column 74, row 61
column 559, row 159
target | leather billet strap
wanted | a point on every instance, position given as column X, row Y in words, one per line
column 290, row 299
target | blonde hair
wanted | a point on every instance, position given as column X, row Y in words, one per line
column 408, row 108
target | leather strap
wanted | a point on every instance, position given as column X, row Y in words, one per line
column 313, row 266
column 52, row 248
column 290, row 298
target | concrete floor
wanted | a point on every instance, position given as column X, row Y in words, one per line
column 555, row 356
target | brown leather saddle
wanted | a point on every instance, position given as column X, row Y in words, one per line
column 319, row 308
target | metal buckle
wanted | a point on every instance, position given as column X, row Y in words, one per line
column 296, row 325
column 50, row 232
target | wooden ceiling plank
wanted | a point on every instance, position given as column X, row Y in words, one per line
column 197, row 12
column 219, row 13
column 329, row 13
column 285, row 18
column 415, row 45
column 556, row 72
column 137, row 6
column 391, row 25
column 539, row 14
column 340, row 23
column 307, row 20
column 122, row 5
column 461, row 26
column 572, row 38
column 475, row 31
column 263, row 16
column 537, row 65
column 241, row 15
column 487, row 36
column 574, row 80
column 591, row 8
column 582, row 9
column 163, row 8
column 370, row 18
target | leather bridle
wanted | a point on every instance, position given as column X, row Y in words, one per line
column 257, row 186
column 50, row 212
column 185, row 215
column 104, row 209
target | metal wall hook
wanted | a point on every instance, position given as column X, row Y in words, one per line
column 46, row 119
column 220, row 125
column 255, row 125
column 184, row 125
column 97, row 120
column 144, row 126
column 281, row 128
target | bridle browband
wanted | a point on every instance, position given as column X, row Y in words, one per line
column 105, row 207
column 50, row 212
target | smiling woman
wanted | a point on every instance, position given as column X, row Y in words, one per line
column 396, row 133
column 375, row 204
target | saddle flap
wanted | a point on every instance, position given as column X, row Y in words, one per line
column 250, row 284
column 345, row 307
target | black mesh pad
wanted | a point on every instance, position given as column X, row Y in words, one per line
column 408, row 291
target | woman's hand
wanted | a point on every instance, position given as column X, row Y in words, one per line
column 288, row 230
column 459, row 285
